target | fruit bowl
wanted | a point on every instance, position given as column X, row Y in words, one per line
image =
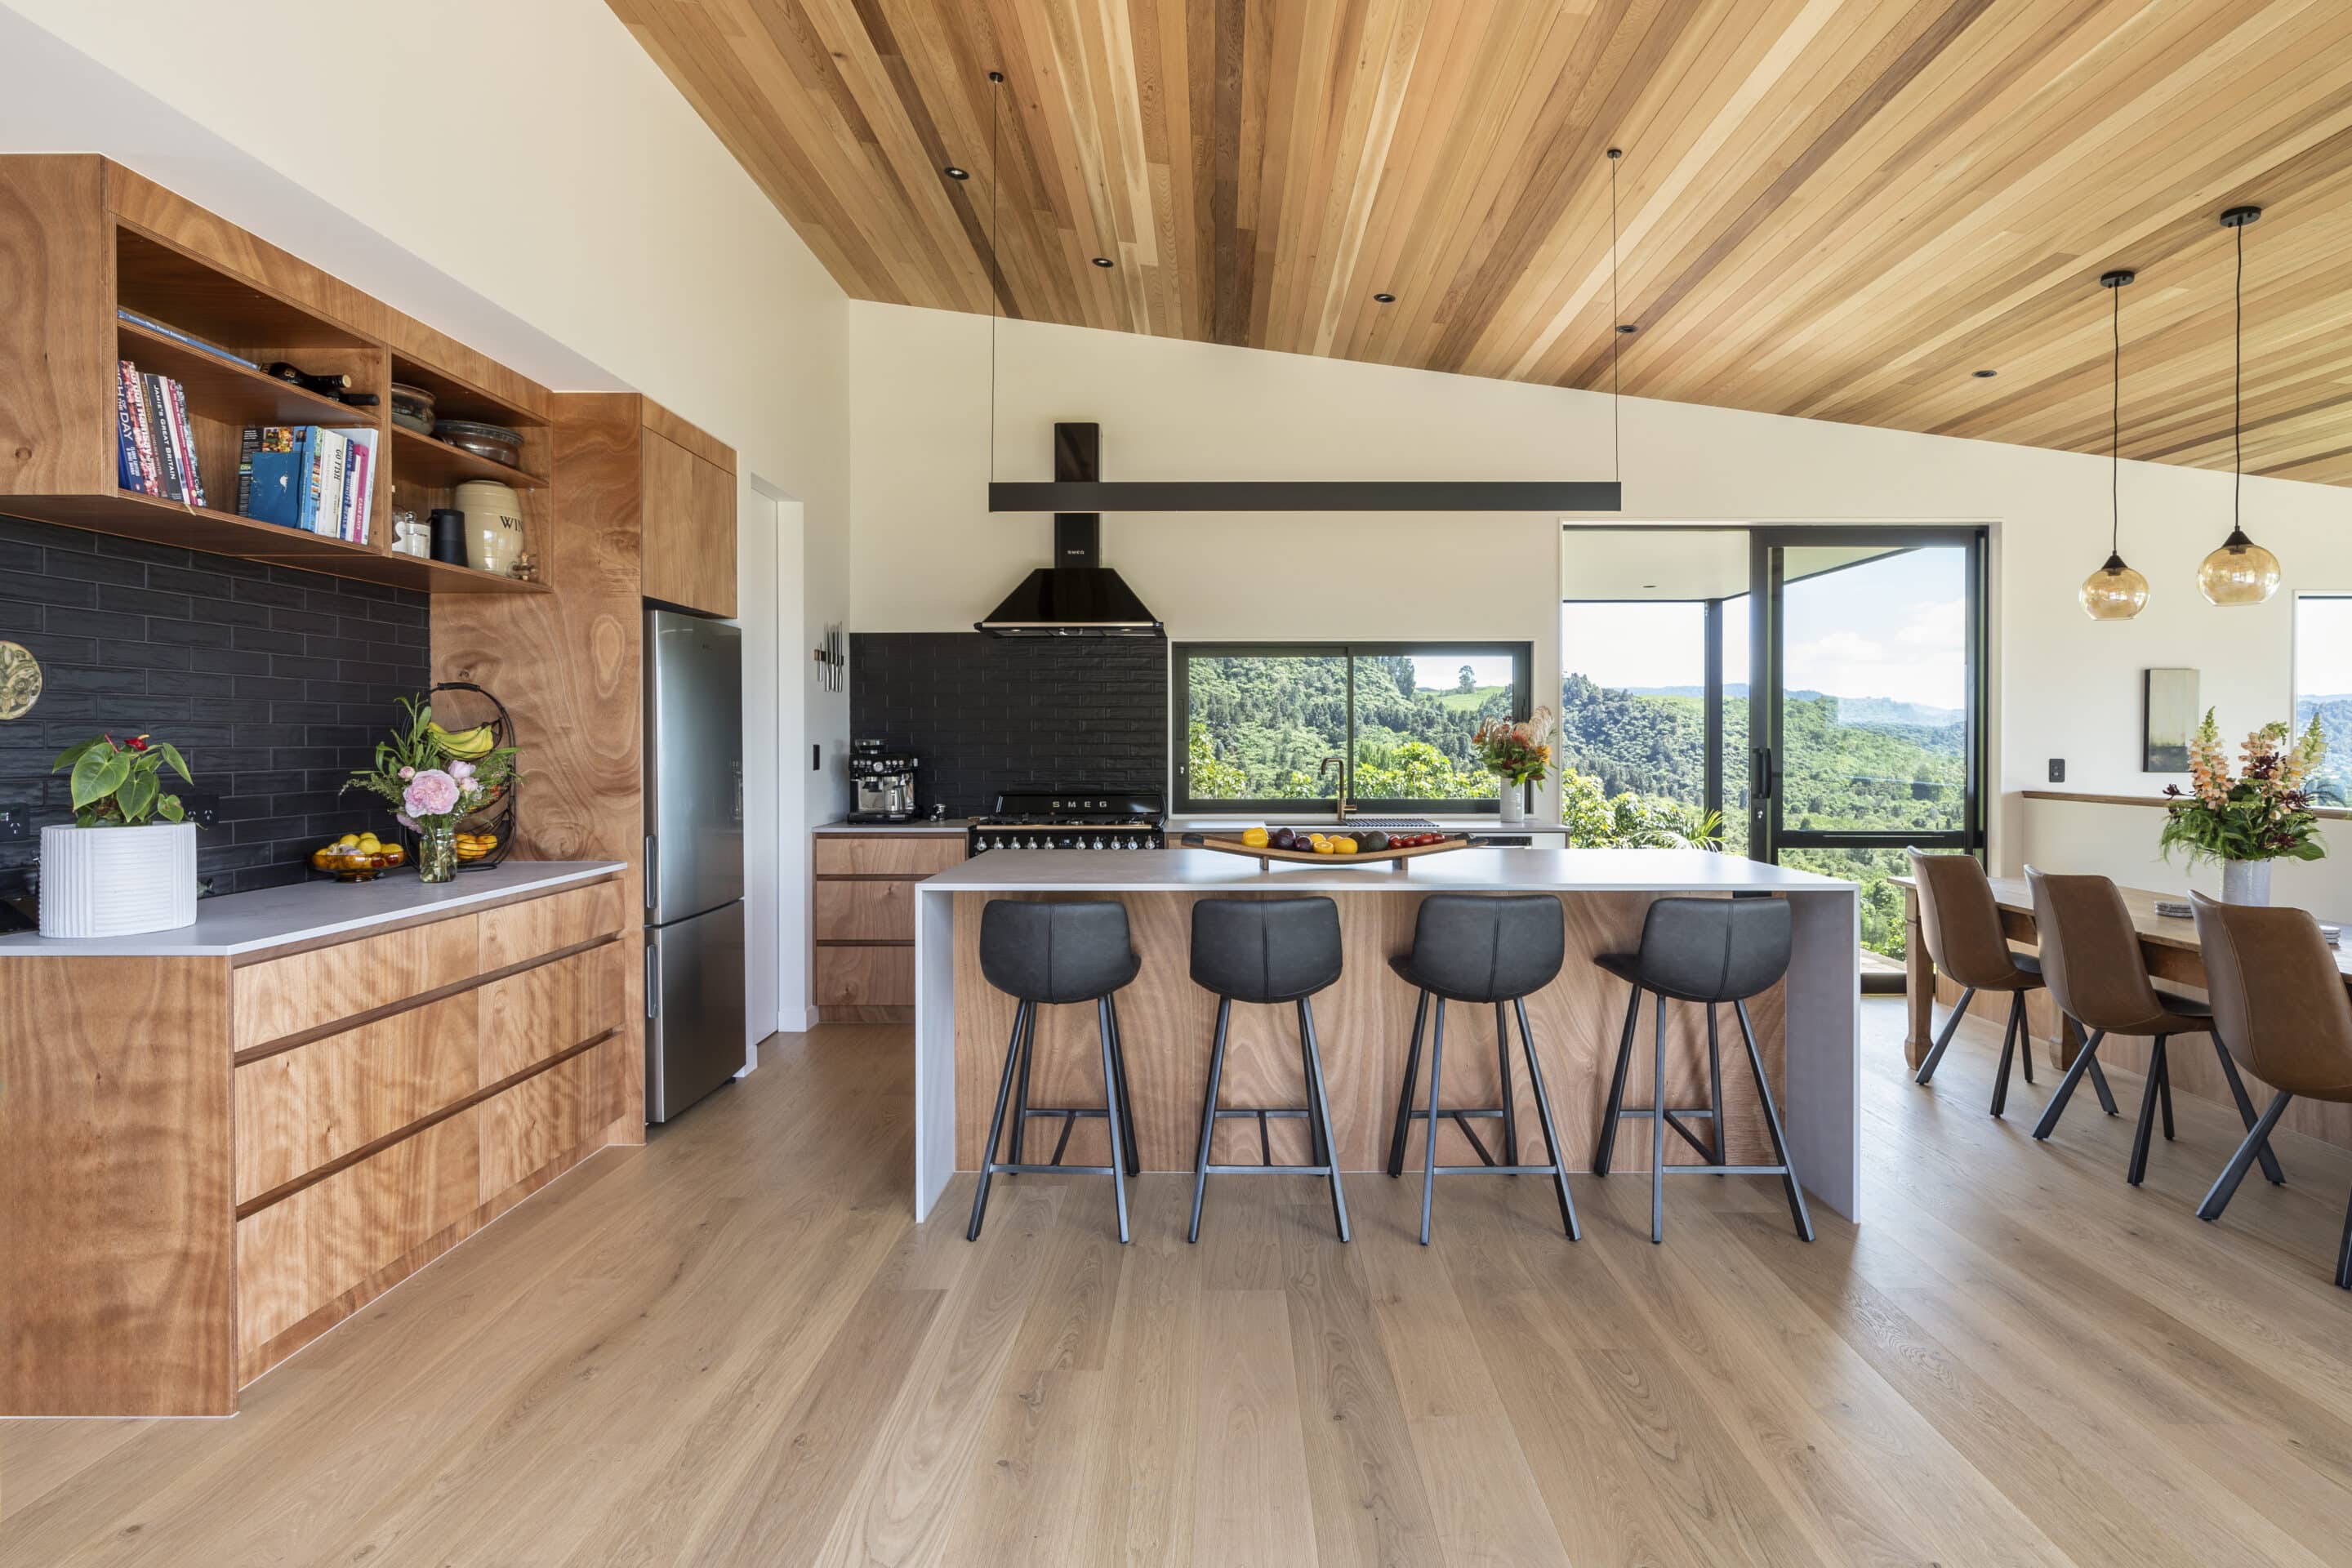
column 350, row 863
column 1412, row 847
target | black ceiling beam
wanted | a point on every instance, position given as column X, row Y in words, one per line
column 1308, row 495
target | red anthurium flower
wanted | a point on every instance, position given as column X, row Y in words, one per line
column 137, row 742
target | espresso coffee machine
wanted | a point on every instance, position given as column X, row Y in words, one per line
column 882, row 783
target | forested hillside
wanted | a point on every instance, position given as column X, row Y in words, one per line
column 2335, row 715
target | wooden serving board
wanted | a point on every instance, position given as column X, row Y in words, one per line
column 1361, row 857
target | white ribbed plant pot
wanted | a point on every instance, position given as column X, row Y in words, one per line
column 118, row 882
column 2246, row 881
column 1514, row 803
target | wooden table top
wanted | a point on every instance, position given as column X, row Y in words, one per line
column 2014, row 896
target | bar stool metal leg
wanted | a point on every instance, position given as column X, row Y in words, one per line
column 997, row 1122
column 1714, row 1085
column 1315, row 1154
column 1617, row 1086
column 1429, row 1139
column 1209, row 1115
column 1935, row 1053
column 1125, row 1104
column 1319, row 1109
column 1551, row 1134
column 1021, row 1090
column 1503, row 1071
column 1658, row 1133
column 1796, row 1192
column 1404, row 1096
column 1110, row 1097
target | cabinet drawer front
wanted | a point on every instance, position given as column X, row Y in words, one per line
column 865, row 977
column 865, row 912
column 542, row 1118
column 905, row 855
column 542, row 1012
column 281, row 996
column 297, row 1256
column 520, row 932
column 298, row 1109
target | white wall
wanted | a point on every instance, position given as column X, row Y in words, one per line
column 602, row 237
column 927, row 556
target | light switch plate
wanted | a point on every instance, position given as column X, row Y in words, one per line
column 2057, row 770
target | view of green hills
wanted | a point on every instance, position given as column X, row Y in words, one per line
column 2333, row 782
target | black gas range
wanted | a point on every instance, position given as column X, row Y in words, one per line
column 1069, row 819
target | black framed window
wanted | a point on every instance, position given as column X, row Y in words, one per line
column 1261, row 726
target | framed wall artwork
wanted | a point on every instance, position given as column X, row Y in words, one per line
column 2167, row 718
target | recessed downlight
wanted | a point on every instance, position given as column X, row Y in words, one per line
column 1102, row 262
column 1385, row 298
column 1984, row 374
column 953, row 173
column 1628, row 328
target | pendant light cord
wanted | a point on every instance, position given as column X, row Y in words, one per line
column 2237, row 388
column 2115, row 437
column 995, row 254
column 1616, row 332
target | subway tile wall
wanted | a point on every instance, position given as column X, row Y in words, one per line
column 985, row 715
column 274, row 683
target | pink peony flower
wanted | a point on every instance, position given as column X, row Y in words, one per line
column 408, row 773
column 461, row 769
column 431, row 794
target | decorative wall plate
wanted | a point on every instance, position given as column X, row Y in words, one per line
column 20, row 680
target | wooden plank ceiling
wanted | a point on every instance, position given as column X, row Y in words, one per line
column 1839, row 209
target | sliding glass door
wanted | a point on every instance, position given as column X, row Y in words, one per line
column 1821, row 689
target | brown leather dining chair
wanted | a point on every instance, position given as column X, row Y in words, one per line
column 2092, row 962
column 2279, row 1002
column 1961, row 921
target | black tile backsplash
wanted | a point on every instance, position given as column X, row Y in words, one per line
column 988, row 714
column 274, row 683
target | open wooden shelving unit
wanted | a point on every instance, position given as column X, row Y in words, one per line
column 87, row 238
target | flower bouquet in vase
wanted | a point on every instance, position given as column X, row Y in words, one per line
column 1518, row 753
column 2263, row 814
column 434, row 779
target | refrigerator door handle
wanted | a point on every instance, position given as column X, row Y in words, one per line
column 653, row 872
column 653, row 982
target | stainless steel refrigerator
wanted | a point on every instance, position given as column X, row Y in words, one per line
column 694, row 859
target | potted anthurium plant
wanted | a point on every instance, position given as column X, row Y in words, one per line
column 118, row 870
column 1519, row 754
column 2247, row 821
column 434, row 779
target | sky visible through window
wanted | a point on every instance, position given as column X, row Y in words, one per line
column 2323, row 645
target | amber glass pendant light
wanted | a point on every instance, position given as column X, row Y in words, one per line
column 2115, row 591
column 2240, row 572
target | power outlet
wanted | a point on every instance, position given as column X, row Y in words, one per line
column 2057, row 770
column 203, row 808
column 15, row 825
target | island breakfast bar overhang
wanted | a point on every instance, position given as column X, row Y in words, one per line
column 1808, row 1026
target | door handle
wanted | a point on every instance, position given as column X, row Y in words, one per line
column 1760, row 779
column 653, row 872
column 653, row 985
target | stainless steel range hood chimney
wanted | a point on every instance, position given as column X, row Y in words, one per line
column 1077, row 596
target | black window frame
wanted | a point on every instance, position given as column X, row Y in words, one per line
column 1180, row 708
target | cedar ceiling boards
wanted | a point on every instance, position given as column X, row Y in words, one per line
column 1831, row 208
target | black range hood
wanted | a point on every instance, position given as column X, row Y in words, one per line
column 1077, row 597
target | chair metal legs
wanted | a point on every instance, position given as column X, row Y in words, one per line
column 2344, row 1254
column 1944, row 1041
column 1503, row 1073
column 1553, row 1149
column 1322, row 1148
column 1511, row 1163
column 1118, row 1115
column 2158, row 1091
column 2086, row 1060
column 1429, row 1139
column 1404, row 1095
column 1796, row 1192
column 1658, row 1133
column 2008, row 1052
column 2271, row 1167
column 1617, row 1087
column 2225, row 1187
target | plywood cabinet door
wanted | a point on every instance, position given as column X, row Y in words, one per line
column 689, row 529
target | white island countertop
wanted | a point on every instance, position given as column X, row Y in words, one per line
column 238, row 923
column 1456, row 871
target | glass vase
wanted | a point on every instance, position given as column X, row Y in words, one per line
column 436, row 853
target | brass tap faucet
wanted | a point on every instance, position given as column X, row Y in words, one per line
column 1341, row 807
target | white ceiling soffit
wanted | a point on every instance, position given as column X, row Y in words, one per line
column 1682, row 562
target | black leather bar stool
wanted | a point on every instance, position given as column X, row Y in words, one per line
column 1483, row 949
column 1709, row 950
column 1042, row 955
column 1267, row 951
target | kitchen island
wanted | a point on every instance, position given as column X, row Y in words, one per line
column 1807, row 1027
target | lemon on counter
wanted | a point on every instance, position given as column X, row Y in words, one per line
column 1256, row 838
column 348, row 841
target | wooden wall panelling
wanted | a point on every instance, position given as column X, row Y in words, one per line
column 57, row 333
column 298, row 1109
column 875, row 910
column 115, row 1202
column 282, row 996
column 689, row 529
column 864, row 976
column 1364, row 1026
column 296, row 1255
column 899, row 855
column 540, row 1013
column 566, row 664
column 520, row 932
column 1288, row 161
